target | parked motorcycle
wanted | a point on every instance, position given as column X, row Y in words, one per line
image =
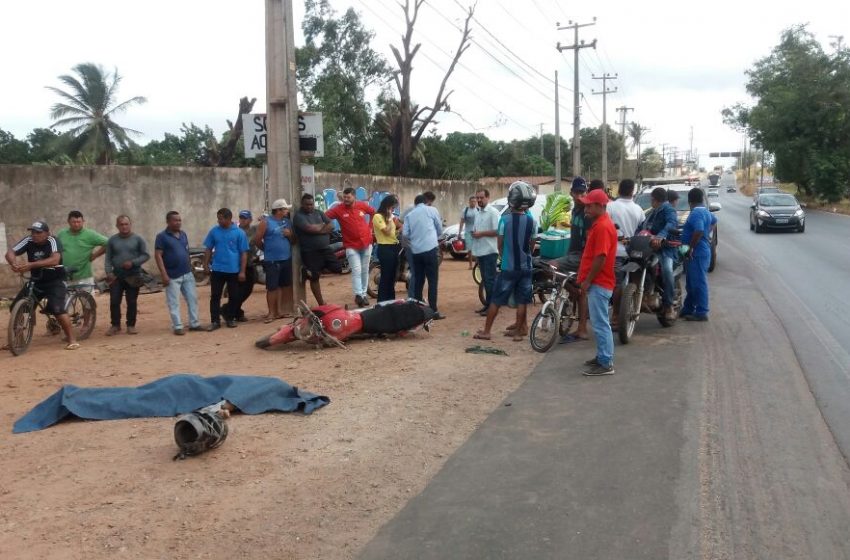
column 644, row 289
column 331, row 325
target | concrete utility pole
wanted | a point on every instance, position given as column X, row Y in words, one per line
column 284, row 157
column 557, row 139
column 625, row 110
column 604, row 93
column 664, row 159
column 576, row 96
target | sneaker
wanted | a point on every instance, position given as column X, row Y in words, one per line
column 360, row 301
column 593, row 362
column 214, row 326
column 701, row 318
column 366, row 302
column 242, row 319
column 132, row 330
column 196, row 328
column 113, row 330
column 598, row 370
column 231, row 323
column 179, row 332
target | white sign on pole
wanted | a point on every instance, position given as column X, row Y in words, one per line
column 255, row 133
column 308, row 179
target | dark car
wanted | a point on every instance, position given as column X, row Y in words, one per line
column 731, row 188
column 777, row 211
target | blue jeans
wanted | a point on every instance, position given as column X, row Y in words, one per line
column 667, row 279
column 696, row 282
column 183, row 285
column 597, row 307
column 358, row 260
column 487, row 264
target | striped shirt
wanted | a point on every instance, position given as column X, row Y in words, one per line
column 516, row 230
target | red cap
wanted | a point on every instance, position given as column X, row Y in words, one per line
column 597, row 196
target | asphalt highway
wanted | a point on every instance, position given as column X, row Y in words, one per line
column 719, row 440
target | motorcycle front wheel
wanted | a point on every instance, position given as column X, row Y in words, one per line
column 544, row 329
column 628, row 315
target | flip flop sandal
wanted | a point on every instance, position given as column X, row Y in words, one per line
column 481, row 336
column 72, row 346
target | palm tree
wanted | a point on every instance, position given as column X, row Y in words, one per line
column 89, row 109
column 635, row 134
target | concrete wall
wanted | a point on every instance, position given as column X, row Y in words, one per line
column 101, row 193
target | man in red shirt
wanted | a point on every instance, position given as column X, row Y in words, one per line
column 596, row 275
column 357, row 240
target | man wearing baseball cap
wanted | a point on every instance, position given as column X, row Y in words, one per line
column 596, row 277
column 579, row 224
column 275, row 236
column 44, row 263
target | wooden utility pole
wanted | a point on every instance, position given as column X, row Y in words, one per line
column 576, row 46
column 604, row 93
column 625, row 110
column 282, row 151
column 557, row 139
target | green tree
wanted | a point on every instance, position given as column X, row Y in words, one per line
column 802, row 113
column 89, row 108
column 12, row 150
column 591, row 150
column 46, row 145
column 335, row 68
column 651, row 162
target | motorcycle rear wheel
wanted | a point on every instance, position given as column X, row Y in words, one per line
column 544, row 329
column 374, row 280
column 628, row 315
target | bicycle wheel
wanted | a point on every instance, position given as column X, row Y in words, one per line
column 568, row 313
column 544, row 329
column 476, row 273
column 21, row 325
column 374, row 280
column 482, row 294
column 82, row 312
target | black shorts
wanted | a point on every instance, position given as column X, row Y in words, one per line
column 54, row 293
column 317, row 261
column 278, row 274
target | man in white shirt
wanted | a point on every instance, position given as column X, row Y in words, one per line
column 627, row 215
column 485, row 244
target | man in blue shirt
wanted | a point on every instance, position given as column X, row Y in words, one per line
column 421, row 229
column 227, row 246
column 696, row 233
column 662, row 222
column 516, row 241
column 171, row 252
column 274, row 236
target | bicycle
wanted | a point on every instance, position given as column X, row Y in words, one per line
column 79, row 304
column 559, row 311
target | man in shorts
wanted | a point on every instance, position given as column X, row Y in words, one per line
column 312, row 228
column 275, row 236
column 44, row 263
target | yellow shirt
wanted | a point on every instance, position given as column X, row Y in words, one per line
column 378, row 224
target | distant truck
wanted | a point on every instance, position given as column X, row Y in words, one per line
column 714, row 176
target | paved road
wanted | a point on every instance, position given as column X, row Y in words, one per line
column 720, row 440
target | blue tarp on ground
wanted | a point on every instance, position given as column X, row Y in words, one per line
column 169, row 396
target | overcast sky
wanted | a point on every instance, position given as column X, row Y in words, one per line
column 678, row 63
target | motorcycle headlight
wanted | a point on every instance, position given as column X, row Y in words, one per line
column 762, row 214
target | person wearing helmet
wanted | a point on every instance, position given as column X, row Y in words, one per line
column 515, row 243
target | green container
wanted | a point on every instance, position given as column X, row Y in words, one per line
column 554, row 243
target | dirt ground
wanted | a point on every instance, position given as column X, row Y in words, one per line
column 282, row 485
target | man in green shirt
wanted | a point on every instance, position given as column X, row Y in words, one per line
column 80, row 246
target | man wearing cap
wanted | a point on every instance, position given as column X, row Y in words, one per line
column 275, row 237
column 44, row 262
column 579, row 225
column 126, row 252
column 80, row 247
column 171, row 252
column 597, row 281
column 246, row 288
column 313, row 230
column 357, row 240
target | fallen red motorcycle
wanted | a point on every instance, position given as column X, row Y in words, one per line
column 330, row 325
